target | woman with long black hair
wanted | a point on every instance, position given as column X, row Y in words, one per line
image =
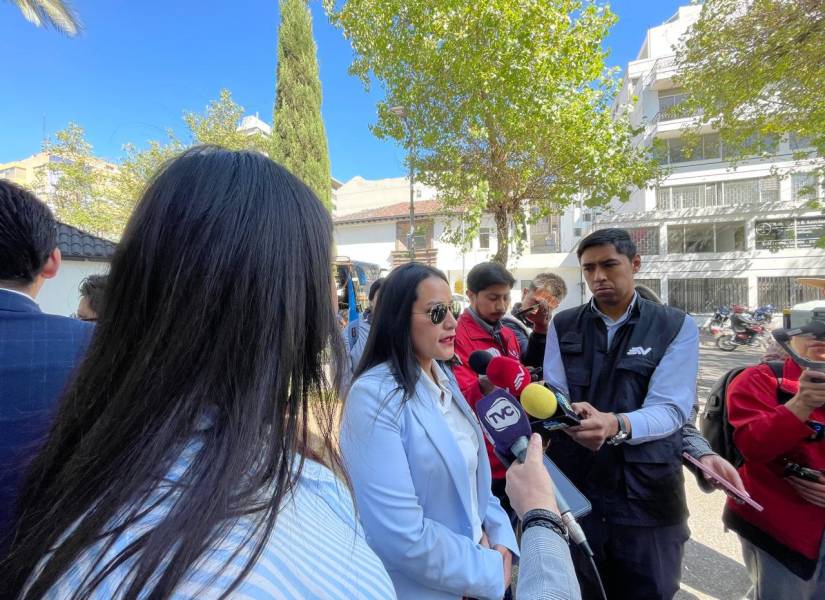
column 179, row 464
column 415, row 452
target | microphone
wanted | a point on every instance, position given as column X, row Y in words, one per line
column 506, row 426
column 549, row 406
column 509, row 374
column 479, row 360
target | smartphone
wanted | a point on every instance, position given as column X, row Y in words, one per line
column 727, row 486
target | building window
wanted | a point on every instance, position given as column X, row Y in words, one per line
column 780, row 234
column 784, row 292
column 677, row 150
column 706, row 237
column 423, row 235
column 654, row 284
column 799, row 142
column 803, row 187
column 545, row 235
column 671, row 105
column 484, row 238
column 763, row 190
column 645, row 238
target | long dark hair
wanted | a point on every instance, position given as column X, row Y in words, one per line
column 219, row 306
column 390, row 339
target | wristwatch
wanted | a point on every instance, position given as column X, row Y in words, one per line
column 621, row 435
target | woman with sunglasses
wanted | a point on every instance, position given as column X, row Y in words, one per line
column 415, row 452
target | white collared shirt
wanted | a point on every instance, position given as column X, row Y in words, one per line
column 19, row 293
column 465, row 436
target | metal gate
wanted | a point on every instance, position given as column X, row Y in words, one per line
column 784, row 292
column 704, row 295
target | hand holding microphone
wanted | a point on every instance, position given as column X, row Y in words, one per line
column 528, row 484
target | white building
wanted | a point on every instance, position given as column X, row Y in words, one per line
column 372, row 224
column 711, row 234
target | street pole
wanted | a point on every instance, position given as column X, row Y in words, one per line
column 401, row 113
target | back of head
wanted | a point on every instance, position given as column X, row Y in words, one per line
column 488, row 274
column 550, row 283
column 618, row 238
column 390, row 338
column 218, row 312
column 28, row 234
column 375, row 287
column 92, row 288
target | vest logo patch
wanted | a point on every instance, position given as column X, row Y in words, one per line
column 638, row 351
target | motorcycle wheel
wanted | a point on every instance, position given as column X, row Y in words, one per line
column 725, row 342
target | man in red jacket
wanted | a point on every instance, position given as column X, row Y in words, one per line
column 479, row 328
column 783, row 545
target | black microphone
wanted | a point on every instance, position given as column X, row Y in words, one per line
column 506, row 426
column 479, row 360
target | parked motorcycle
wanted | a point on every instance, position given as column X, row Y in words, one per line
column 764, row 314
column 718, row 323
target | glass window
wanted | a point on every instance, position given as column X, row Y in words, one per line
column 698, row 238
column 484, row 238
column 675, row 239
column 745, row 191
column 688, row 196
column 676, row 151
column 775, row 235
column 798, row 142
column 730, row 237
column 711, row 146
column 803, row 187
column 769, row 189
column 808, row 231
column 663, row 198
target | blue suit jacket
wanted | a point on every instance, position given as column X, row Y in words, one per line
column 38, row 353
column 413, row 496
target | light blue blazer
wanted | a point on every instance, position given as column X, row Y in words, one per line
column 413, row 495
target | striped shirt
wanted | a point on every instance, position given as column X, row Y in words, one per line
column 316, row 550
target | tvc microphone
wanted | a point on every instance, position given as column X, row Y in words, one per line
column 506, row 426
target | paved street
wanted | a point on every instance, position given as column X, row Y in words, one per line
column 713, row 560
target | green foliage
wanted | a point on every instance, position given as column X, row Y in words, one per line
column 755, row 71
column 218, row 125
column 508, row 104
column 299, row 140
column 73, row 182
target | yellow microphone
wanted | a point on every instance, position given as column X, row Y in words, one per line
column 538, row 401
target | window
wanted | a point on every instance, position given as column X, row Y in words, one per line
column 803, row 187
column 677, row 150
column 784, row 292
column 646, row 239
column 722, row 193
column 653, row 284
column 545, row 235
column 704, row 295
column 799, row 142
column 484, row 238
column 706, row 237
column 671, row 105
column 423, row 235
column 775, row 235
column 789, row 233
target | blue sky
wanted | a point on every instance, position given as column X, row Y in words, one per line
column 139, row 65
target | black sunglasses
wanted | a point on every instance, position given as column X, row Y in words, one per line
column 438, row 312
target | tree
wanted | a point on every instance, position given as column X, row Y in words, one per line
column 299, row 140
column 54, row 13
column 507, row 104
column 755, row 71
column 73, row 181
column 218, row 125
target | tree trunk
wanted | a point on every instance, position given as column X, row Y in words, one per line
column 502, row 219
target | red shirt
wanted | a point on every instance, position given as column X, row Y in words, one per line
column 765, row 432
column 469, row 337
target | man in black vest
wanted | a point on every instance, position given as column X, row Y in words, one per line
column 630, row 367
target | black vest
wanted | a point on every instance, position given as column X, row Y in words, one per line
column 627, row 484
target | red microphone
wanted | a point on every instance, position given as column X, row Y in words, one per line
column 509, row 374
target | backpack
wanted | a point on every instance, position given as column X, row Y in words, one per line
column 714, row 423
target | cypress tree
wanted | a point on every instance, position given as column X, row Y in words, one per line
column 299, row 139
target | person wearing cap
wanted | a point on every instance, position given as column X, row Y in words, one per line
column 778, row 430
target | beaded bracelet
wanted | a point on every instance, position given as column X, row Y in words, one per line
column 543, row 518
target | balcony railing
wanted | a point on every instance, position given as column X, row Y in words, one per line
column 427, row 256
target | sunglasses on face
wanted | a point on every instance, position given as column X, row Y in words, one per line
column 438, row 312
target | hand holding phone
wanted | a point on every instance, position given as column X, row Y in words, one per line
column 729, row 489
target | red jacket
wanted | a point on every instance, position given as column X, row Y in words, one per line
column 765, row 432
column 469, row 337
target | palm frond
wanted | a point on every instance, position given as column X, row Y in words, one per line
column 51, row 13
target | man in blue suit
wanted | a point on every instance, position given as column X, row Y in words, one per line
column 38, row 352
